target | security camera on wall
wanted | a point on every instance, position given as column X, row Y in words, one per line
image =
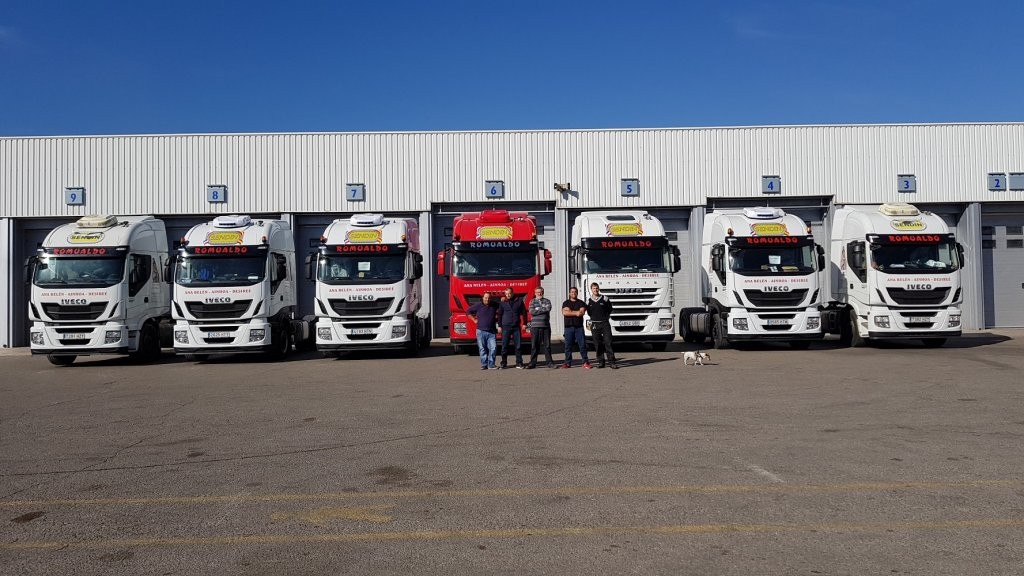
column 563, row 188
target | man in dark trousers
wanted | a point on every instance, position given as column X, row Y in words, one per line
column 485, row 313
column 513, row 314
column 599, row 307
column 540, row 328
column 573, row 310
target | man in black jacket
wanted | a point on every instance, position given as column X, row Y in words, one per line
column 512, row 314
column 599, row 308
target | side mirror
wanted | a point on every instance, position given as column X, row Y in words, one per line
column 821, row 256
column 309, row 265
column 857, row 259
column 169, row 268
column 440, row 264
column 547, row 262
column 417, row 270
column 574, row 253
column 677, row 261
column 960, row 253
column 30, row 268
column 718, row 258
column 282, row 270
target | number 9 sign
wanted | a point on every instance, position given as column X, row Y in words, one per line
column 74, row 196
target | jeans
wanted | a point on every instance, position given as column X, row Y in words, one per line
column 602, row 332
column 510, row 333
column 577, row 335
column 487, row 345
column 540, row 341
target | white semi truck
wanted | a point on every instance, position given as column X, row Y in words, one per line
column 235, row 288
column 628, row 254
column 368, row 272
column 97, row 287
column 761, row 280
column 896, row 275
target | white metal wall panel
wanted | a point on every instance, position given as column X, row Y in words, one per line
column 1003, row 262
column 405, row 172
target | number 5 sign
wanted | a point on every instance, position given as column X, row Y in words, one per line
column 630, row 187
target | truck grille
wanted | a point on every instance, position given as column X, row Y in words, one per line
column 921, row 297
column 791, row 298
column 632, row 296
column 233, row 310
column 64, row 313
column 355, row 308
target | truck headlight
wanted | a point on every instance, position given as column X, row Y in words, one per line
column 739, row 323
column 882, row 321
column 323, row 333
column 181, row 336
column 665, row 324
column 813, row 323
column 459, row 327
column 954, row 320
column 398, row 331
column 112, row 336
column 257, row 334
column 37, row 338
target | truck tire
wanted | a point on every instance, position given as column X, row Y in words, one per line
column 149, row 344
column 856, row 340
column 413, row 345
column 61, row 359
column 688, row 335
column 280, row 342
column 934, row 342
column 718, row 334
column 425, row 335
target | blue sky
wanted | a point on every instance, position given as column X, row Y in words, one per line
column 212, row 66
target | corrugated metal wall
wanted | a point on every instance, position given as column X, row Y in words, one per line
column 408, row 171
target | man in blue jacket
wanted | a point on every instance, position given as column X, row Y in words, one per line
column 486, row 315
column 513, row 316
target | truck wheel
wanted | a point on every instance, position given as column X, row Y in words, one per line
column 856, row 340
column 61, row 359
column 149, row 344
column 659, row 346
column 413, row 345
column 934, row 342
column 425, row 335
column 281, row 342
column 800, row 344
column 718, row 337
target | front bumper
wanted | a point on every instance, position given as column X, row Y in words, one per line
column 387, row 333
column 779, row 325
column 222, row 337
column 902, row 323
column 82, row 340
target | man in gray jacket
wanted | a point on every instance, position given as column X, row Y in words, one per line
column 540, row 328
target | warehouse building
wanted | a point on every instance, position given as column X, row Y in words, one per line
column 970, row 174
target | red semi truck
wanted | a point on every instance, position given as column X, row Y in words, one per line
column 491, row 250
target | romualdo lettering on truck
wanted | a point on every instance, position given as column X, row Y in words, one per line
column 111, row 297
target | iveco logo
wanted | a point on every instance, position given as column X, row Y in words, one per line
column 218, row 300
column 631, row 290
column 73, row 301
column 919, row 286
column 782, row 288
column 355, row 297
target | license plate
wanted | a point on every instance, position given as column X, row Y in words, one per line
column 631, row 323
column 777, row 322
column 78, row 335
column 220, row 334
column 360, row 331
column 918, row 319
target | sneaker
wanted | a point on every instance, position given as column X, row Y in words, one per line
column 520, row 366
column 493, row 368
column 503, row 367
column 565, row 365
column 600, row 364
column 551, row 364
column 528, row 366
column 483, row 367
column 614, row 366
column 587, row 365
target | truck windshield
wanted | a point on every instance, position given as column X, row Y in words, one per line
column 616, row 261
column 511, row 264
column 361, row 269
column 78, row 272
column 220, row 270
column 915, row 258
column 772, row 260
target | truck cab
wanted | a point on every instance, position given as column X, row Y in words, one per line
column 761, row 280
column 97, row 288
column 628, row 254
column 368, row 272
column 898, row 275
column 490, row 251
column 234, row 288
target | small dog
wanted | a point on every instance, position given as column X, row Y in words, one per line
column 697, row 357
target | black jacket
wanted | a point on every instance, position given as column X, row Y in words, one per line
column 600, row 310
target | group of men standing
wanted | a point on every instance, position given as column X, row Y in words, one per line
column 503, row 318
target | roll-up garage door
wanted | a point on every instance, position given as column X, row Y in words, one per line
column 1002, row 247
column 29, row 235
column 442, row 219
